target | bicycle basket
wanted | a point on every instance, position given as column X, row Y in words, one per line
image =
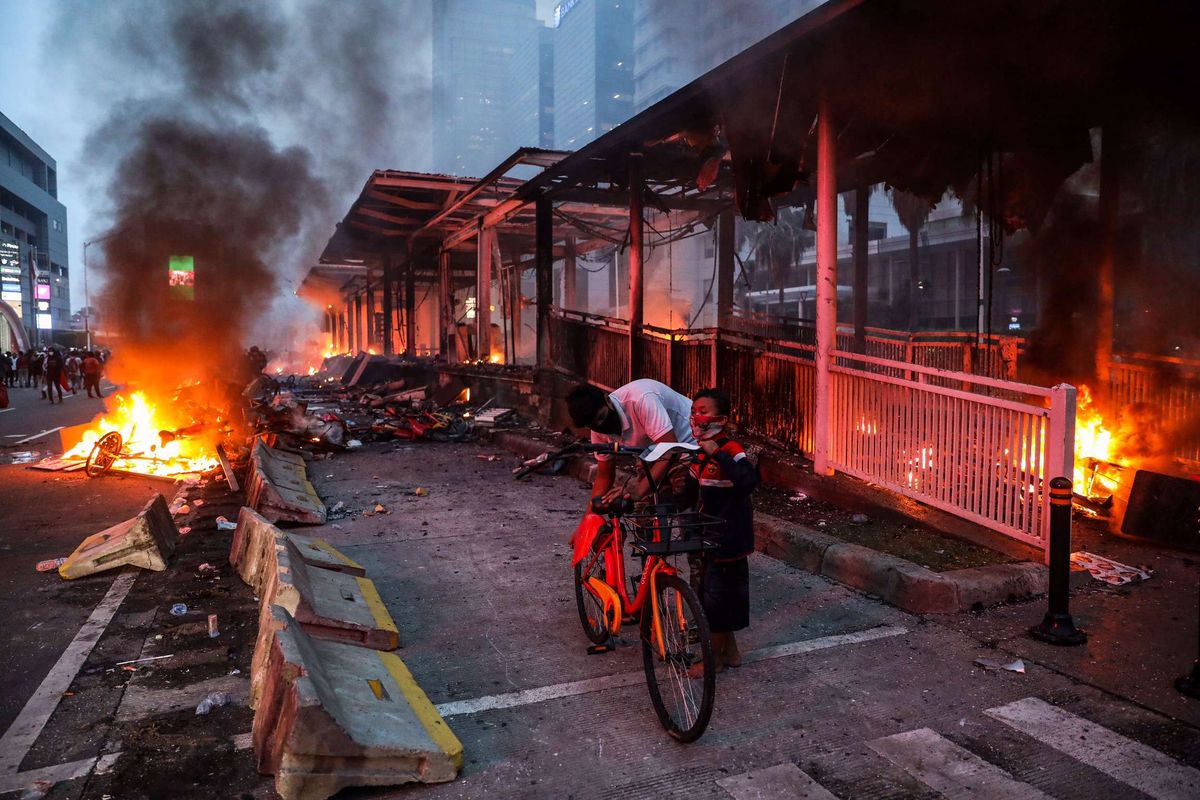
column 664, row 531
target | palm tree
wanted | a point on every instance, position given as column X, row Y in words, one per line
column 913, row 212
column 778, row 246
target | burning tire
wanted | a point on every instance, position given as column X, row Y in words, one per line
column 105, row 451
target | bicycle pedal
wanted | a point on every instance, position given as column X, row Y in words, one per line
column 600, row 649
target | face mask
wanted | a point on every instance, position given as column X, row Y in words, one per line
column 706, row 427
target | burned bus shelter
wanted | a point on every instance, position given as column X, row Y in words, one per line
column 1000, row 105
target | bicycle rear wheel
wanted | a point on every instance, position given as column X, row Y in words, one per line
column 596, row 625
column 682, row 676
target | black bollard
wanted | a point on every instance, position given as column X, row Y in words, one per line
column 1190, row 684
column 1057, row 627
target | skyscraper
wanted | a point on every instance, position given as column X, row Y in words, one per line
column 531, row 83
column 34, row 281
column 474, row 43
column 593, row 69
column 676, row 41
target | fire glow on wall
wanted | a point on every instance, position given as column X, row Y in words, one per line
column 181, row 275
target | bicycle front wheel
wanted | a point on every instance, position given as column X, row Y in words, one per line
column 678, row 658
column 592, row 614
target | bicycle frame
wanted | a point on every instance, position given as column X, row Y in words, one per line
column 612, row 546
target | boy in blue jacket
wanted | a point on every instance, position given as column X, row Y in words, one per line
column 726, row 477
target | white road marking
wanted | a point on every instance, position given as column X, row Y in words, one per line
column 780, row 782
column 38, row 435
column 26, row 728
column 58, row 773
column 952, row 771
column 1129, row 762
column 544, row 693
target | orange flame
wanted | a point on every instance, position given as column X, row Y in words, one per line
column 144, row 450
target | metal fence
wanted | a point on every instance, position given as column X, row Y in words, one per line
column 1170, row 388
column 987, row 459
column 929, row 415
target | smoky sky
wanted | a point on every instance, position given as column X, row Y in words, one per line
column 241, row 130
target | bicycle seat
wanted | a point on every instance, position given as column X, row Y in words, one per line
column 657, row 451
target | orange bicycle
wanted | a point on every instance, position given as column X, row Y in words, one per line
column 677, row 653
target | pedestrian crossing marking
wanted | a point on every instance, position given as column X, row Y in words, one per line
column 954, row 772
column 1117, row 756
column 781, row 782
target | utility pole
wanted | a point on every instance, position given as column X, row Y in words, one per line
column 87, row 300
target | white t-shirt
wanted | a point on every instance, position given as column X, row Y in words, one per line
column 647, row 409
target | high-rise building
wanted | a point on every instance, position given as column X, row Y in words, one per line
column 531, row 105
column 676, row 41
column 474, row 44
column 593, row 69
column 35, row 296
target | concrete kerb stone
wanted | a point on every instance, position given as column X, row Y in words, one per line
column 147, row 541
column 330, row 716
column 1001, row 583
column 278, row 487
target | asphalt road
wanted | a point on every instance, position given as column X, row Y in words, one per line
column 45, row 515
column 842, row 695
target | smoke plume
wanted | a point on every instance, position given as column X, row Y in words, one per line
column 235, row 132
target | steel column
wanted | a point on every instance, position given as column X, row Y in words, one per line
column 1109, row 206
column 389, row 322
column 410, row 307
column 544, row 263
column 636, row 188
column 570, row 298
column 827, row 216
column 726, row 233
column 446, row 327
column 483, row 291
column 862, row 214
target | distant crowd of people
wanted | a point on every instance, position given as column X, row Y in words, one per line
column 53, row 369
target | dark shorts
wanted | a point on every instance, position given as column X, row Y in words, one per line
column 725, row 594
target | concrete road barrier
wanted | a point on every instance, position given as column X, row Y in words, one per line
column 147, row 541
column 330, row 605
column 332, row 716
column 318, row 552
column 252, row 550
column 278, row 487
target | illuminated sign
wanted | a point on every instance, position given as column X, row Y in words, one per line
column 181, row 276
column 13, row 298
column 43, row 288
column 562, row 9
column 10, row 258
column 43, row 322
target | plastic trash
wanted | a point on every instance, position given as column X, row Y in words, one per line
column 197, row 502
column 860, row 519
column 225, row 525
column 213, row 632
column 178, row 610
column 353, row 444
column 1016, row 665
column 213, row 700
column 50, row 564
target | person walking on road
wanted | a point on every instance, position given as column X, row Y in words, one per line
column 73, row 365
column 91, row 374
column 54, row 374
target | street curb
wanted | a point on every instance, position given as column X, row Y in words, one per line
column 898, row 581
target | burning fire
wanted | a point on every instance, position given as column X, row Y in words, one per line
column 1094, row 441
column 149, row 445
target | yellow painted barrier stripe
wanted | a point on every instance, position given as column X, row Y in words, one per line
column 434, row 725
column 335, row 553
column 383, row 620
